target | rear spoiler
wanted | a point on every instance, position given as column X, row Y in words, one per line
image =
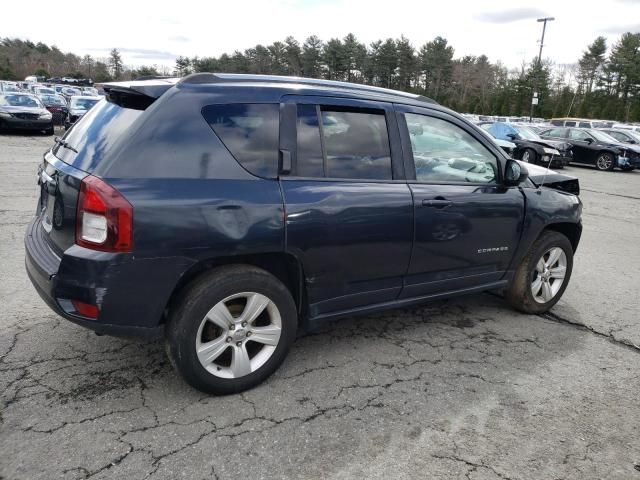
column 137, row 94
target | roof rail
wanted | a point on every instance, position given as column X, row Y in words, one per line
column 203, row 78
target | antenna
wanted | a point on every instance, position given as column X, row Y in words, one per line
column 544, row 177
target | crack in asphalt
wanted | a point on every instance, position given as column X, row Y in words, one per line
column 611, row 194
column 609, row 336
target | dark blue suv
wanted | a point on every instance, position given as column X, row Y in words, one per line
column 227, row 210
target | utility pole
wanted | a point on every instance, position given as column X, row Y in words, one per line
column 534, row 97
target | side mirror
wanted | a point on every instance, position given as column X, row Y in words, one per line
column 515, row 173
column 512, row 136
column 589, row 140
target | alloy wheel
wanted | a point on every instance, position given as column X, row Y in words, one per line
column 238, row 335
column 549, row 274
column 604, row 162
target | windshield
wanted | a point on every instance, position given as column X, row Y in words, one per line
column 46, row 90
column 635, row 135
column 603, row 137
column 527, row 134
column 20, row 101
column 83, row 103
column 53, row 100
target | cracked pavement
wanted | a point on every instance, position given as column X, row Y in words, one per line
column 465, row 388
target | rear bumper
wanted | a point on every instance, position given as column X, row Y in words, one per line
column 125, row 308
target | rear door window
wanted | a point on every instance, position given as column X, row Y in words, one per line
column 250, row 133
column 336, row 142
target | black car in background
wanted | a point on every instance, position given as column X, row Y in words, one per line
column 57, row 105
column 531, row 147
column 78, row 106
column 23, row 111
column 594, row 147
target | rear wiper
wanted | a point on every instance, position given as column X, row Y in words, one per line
column 62, row 142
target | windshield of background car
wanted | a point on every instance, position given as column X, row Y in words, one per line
column 42, row 91
column 53, row 100
column 20, row 101
column 603, row 137
column 83, row 103
column 527, row 134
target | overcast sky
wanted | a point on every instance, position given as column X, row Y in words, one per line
column 156, row 32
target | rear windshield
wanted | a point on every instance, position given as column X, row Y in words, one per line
column 94, row 134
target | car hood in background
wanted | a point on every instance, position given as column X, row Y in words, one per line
column 552, row 179
column 13, row 109
column 557, row 144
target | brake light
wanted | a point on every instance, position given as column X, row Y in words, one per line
column 104, row 219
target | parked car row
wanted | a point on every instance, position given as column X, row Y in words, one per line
column 596, row 147
column 41, row 110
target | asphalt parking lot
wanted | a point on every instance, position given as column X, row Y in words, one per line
column 465, row 388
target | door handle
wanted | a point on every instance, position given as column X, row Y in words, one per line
column 437, row 203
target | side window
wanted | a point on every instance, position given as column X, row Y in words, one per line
column 584, row 124
column 443, row 152
column 570, row 124
column 579, row 135
column 556, row 132
column 250, row 133
column 342, row 143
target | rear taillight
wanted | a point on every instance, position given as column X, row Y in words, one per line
column 104, row 218
column 85, row 309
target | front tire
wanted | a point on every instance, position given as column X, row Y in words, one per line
column 605, row 162
column 543, row 275
column 230, row 329
column 529, row 155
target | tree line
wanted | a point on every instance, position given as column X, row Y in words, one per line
column 603, row 83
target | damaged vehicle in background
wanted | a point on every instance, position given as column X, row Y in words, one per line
column 531, row 147
column 23, row 111
column 78, row 106
column 594, row 147
column 57, row 105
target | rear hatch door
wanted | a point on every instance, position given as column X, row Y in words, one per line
column 81, row 150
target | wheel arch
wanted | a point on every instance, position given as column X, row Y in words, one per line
column 572, row 231
column 284, row 266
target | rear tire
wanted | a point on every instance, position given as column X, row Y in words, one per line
column 230, row 329
column 543, row 274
